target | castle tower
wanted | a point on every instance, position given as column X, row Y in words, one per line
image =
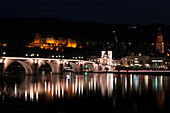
column 159, row 41
column 37, row 39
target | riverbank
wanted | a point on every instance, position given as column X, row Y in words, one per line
column 135, row 71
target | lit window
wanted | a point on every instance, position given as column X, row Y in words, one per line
column 136, row 58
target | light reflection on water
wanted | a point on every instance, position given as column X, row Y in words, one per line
column 69, row 86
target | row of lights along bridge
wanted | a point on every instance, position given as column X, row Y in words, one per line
column 52, row 56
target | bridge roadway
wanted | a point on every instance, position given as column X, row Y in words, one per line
column 32, row 65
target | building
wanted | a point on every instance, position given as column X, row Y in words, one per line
column 106, row 58
column 159, row 42
column 134, row 60
column 51, row 43
column 158, row 62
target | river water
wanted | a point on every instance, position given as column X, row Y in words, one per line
column 87, row 92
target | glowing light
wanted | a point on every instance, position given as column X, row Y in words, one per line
column 45, row 86
column 37, row 96
column 146, row 81
column 76, row 84
column 4, row 45
column 79, row 87
column 157, row 60
column 59, row 90
column 136, row 82
column 125, row 84
column 95, row 84
column 62, row 91
column 52, row 90
column 115, row 81
column 82, row 88
column 89, row 85
column 36, row 61
column 156, row 83
column 49, row 86
column 92, row 84
column 131, row 81
column 32, row 60
column 25, row 95
column 56, row 89
column 1, row 60
column 32, row 55
column 161, row 82
column 15, row 90
column 31, row 94
column 67, row 84
column 4, row 53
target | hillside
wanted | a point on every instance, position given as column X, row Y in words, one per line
column 21, row 31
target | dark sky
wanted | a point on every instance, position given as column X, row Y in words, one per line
column 104, row 11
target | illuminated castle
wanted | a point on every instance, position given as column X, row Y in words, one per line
column 159, row 42
column 51, row 43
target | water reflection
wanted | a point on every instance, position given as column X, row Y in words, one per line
column 70, row 86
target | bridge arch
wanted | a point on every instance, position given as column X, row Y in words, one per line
column 27, row 67
column 90, row 66
column 74, row 66
column 54, row 66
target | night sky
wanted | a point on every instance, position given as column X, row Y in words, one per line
column 104, row 11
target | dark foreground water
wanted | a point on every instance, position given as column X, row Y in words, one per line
column 89, row 92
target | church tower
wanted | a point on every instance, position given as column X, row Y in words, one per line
column 159, row 41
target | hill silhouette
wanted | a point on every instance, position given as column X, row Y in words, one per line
column 21, row 31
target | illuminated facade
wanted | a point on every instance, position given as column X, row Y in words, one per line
column 106, row 58
column 51, row 43
column 159, row 42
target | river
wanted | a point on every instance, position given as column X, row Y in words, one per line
column 87, row 92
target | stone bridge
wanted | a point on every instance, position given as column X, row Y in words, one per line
column 32, row 65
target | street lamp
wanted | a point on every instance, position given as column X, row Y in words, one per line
column 4, row 53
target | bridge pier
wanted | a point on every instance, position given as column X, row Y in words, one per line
column 81, row 68
column 35, row 68
column 96, row 67
column 61, row 69
column 1, row 68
